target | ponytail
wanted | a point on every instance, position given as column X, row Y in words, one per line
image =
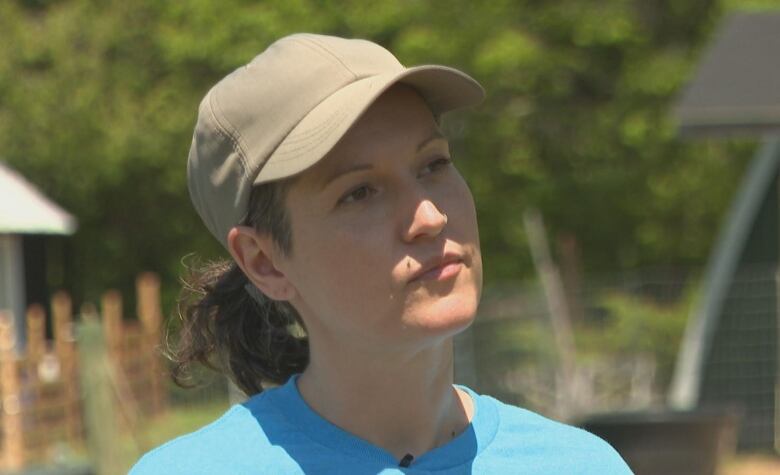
column 229, row 325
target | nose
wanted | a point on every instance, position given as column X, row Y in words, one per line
column 427, row 221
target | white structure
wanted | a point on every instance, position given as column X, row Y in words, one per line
column 23, row 210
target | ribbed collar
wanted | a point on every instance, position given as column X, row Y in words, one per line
column 460, row 450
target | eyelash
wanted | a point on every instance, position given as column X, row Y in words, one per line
column 435, row 165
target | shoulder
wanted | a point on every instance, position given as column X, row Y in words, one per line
column 233, row 441
column 560, row 446
column 517, row 419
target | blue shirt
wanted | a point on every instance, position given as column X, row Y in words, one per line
column 276, row 432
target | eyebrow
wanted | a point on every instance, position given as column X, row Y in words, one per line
column 339, row 172
column 345, row 171
column 436, row 135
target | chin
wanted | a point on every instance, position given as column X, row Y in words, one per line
column 447, row 315
column 446, row 310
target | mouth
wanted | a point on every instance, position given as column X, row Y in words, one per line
column 439, row 269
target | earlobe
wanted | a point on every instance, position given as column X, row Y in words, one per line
column 253, row 252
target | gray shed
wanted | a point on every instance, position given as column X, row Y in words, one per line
column 26, row 215
column 730, row 350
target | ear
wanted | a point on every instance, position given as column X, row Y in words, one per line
column 255, row 254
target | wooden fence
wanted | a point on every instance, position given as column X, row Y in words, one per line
column 41, row 391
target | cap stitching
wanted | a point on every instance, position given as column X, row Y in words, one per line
column 233, row 136
column 336, row 118
column 304, row 141
column 314, row 130
column 331, row 124
column 330, row 53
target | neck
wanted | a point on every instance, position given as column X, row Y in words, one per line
column 403, row 405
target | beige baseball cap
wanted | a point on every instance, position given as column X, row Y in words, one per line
column 281, row 113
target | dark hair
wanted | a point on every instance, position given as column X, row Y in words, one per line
column 228, row 325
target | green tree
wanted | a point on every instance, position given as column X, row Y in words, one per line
column 98, row 101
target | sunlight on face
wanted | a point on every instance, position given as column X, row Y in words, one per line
column 383, row 205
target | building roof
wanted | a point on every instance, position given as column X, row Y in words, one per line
column 25, row 210
column 737, row 84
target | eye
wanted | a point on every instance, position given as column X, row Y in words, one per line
column 360, row 193
column 437, row 165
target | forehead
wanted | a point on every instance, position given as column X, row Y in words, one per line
column 395, row 124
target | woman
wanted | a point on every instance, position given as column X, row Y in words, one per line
column 321, row 168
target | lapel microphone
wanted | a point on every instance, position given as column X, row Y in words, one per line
column 406, row 461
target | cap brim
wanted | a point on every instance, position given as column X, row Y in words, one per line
column 443, row 88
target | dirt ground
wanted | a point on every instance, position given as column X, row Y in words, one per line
column 752, row 465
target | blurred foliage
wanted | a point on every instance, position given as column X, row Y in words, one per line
column 633, row 325
column 625, row 321
column 98, row 100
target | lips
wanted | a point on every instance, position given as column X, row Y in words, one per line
column 439, row 267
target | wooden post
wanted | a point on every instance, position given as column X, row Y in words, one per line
column 150, row 314
column 62, row 316
column 13, row 437
column 36, row 332
column 36, row 345
column 111, row 311
column 65, row 349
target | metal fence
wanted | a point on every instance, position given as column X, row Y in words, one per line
column 741, row 368
column 627, row 328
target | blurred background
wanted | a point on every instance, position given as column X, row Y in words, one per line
column 630, row 270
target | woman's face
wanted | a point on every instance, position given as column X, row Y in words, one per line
column 384, row 205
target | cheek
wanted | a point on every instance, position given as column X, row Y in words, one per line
column 465, row 231
column 458, row 202
column 344, row 271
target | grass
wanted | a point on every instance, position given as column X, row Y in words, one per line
column 752, row 465
column 174, row 422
